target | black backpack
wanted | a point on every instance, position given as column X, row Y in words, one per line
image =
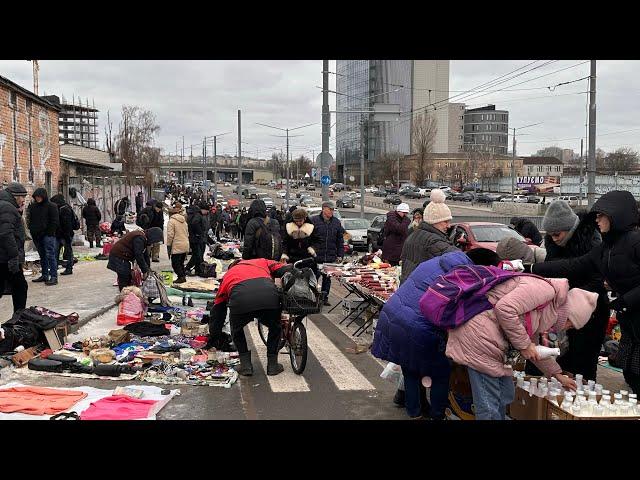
column 268, row 239
column 74, row 218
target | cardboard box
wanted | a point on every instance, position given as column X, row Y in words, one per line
column 527, row 407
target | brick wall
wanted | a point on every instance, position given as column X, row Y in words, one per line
column 33, row 140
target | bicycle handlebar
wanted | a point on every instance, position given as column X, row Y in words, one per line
column 305, row 262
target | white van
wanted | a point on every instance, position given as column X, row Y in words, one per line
column 572, row 200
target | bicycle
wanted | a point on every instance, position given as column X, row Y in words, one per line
column 294, row 332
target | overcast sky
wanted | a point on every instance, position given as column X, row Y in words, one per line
column 197, row 98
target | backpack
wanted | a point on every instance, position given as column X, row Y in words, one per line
column 74, row 218
column 456, row 297
column 268, row 241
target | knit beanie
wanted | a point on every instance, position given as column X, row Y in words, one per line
column 577, row 309
column 436, row 210
column 511, row 248
column 559, row 217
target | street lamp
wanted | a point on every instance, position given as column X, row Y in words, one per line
column 513, row 160
column 287, row 130
column 215, row 164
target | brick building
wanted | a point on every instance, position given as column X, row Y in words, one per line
column 29, row 146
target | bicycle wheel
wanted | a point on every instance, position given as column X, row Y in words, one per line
column 298, row 347
column 264, row 332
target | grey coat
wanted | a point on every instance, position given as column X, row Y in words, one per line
column 425, row 243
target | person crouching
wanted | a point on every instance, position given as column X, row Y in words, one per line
column 133, row 247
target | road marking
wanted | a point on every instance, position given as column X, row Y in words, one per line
column 339, row 368
column 287, row 381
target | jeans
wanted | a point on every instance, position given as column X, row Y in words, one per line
column 68, row 251
column 18, row 286
column 177, row 263
column 269, row 318
column 415, row 395
column 491, row 395
column 47, row 248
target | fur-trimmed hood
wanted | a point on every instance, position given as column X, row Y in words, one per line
column 299, row 232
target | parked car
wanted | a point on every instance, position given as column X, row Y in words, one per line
column 380, row 193
column 445, row 188
column 572, row 200
column 393, row 190
column 345, row 202
column 356, row 195
column 266, row 199
column 534, row 199
column 357, row 230
column 514, row 199
column 250, row 192
column 466, row 197
column 338, row 187
column 495, row 197
column 405, row 190
column 393, row 199
column 312, row 211
column 482, row 198
column 467, row 236
column 307, row 201
column 373, row 232
column 415, row 194
column 370, row 189
column 311, row 187
column 282, row 193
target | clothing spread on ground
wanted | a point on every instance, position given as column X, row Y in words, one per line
column 38, row 400
column 146, row 329
column 118, row 407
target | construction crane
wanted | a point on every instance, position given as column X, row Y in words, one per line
column 36, row 68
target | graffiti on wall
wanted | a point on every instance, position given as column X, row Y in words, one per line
column 44, row 142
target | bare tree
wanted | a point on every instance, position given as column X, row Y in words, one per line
column 109, row 137
column 388, row 168
column 424, row 130
column 135, row 139
column 622, row 160
column 302, row 165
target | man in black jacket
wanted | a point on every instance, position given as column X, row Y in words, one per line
column 327, row 242
column 43, row 221
column 12, row 244
column 139, row 203
column 133, row 247
column 146, row 215
column 92, row 217
column 157, row 221
column 198, row 228
column 64, row 234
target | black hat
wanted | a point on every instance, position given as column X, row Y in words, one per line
column 16, row 189
column 155, row 235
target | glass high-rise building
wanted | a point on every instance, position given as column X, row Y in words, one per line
column 413, row 84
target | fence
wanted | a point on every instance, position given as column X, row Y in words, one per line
column 105, row 191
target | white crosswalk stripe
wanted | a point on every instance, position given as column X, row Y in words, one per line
column 335, row 363
column 287, row 381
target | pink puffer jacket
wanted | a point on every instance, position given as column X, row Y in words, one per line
column 481, row 343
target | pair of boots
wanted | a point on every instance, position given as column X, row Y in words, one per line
column 98, row 244
column 246, row 368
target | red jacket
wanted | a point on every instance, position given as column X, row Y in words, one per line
column 257, row 274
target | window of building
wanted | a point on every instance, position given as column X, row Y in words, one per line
column 540, row 168
column 13, row 100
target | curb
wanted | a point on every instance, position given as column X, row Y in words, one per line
column 83, row 321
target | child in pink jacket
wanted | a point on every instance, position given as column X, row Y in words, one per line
column 482, row 342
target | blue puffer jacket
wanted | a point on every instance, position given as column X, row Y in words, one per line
column 402, row 335
column 327, row 239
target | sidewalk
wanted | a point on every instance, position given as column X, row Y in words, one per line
column 89, row 291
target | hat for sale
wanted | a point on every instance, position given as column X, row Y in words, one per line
column 16, row 189
column 559, row 218
column 329, row 204
column 437, row 211
column 403, row 207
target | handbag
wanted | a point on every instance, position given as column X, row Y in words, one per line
column 136, row 276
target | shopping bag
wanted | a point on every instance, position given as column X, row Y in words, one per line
column 150, row 287
column 131, row 310
column 393, row 373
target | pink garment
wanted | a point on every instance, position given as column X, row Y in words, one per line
column 118, row 407
column 482, row 342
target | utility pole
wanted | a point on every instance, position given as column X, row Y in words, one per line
column 287, row 196
column 215, row 171
column 513, row 165
column 326, row 119
column 581, row 170
column 616, row 179
column 204, row 164
column 239, row 154
column 591, row 170
column 362, row 143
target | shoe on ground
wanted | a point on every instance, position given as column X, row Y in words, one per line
column 326, row 302
column 246, row 368
column 40, row 279
column 67, row 272
column 52, row 281
column 398, row 398
column 273, row 367
column 180, row 280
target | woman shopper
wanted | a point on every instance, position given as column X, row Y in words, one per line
column 571, row 235
column 416, row 216
column 133, row 247
column 296, row 243
column 396, row 230
column 617, row 260
column 92, row 217
column 481, row 344
column 178, row 241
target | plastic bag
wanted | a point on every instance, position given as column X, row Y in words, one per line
column 131, row 310
column 301, row 285
column 393, row 373
column 150, row 287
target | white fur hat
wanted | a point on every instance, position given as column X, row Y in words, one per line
column 437, row 211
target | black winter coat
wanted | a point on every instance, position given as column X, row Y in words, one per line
column 396, row 230
column 617, row 260
column 91, row 213
column 147, row 214
column 527, row 229
column 11, row 229
column 425, row 243
column 42, row 218
column 65, row 212
column 198, row 228
column 262, row 237
column 328, row 239
column 158, row 217
column 296, row 243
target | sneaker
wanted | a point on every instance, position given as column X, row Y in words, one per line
column 52, row 281
column 40, row 279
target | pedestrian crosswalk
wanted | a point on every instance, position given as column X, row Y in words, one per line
column 324, row 355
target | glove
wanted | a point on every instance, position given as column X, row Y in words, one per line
column 169, row 250
column 619, row 305
column 14, row 265
column 284, row 258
